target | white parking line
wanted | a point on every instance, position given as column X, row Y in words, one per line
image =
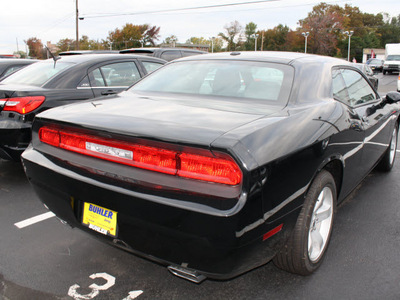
column 34, row 220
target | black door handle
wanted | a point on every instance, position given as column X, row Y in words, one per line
column 109, row 92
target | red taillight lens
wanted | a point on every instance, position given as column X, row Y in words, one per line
column 23, row 105
column 49, row 136
column 212, row 169
column 207, row 168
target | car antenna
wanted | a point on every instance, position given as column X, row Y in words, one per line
column 52, row 55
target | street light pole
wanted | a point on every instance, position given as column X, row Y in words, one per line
column 349, row 34
column 255, row 43
column 77, row 31
column 305, row 34
column 212, row 44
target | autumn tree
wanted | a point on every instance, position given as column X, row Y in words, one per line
column 133, row 36
column 233, row 35
column 66, row 45
column 324, row 23
column 35, row 47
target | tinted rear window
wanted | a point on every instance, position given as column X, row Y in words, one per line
column 240, row 80
column 37, row 74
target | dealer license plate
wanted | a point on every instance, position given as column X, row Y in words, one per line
column 100, row 219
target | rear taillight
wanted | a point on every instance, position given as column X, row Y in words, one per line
column 222, row 169
column 23, row 105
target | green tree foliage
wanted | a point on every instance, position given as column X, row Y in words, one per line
column 216, row 43
column 250, row 31
column 390, row 31
column 171, row 40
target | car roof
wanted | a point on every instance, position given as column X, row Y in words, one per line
column 268, row 56
column 93, row 58
column 16, row 61
column 80, row 52
column 152, row 50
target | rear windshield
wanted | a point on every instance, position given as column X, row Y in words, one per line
column 37, row 74
column 237, row 80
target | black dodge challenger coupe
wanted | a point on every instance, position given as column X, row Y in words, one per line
column 216, row 164
column 47, row 84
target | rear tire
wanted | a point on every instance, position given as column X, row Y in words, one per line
column 384, row 72
column 304, row 251
column 387, row 162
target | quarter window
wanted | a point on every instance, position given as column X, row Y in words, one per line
column 151, row 66
column 351, row 88
column 119, row 74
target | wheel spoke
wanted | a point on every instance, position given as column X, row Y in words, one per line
column 316, row 245
column 323, row 213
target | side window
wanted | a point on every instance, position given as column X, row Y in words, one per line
column 84, row 83
column 96, row 78
column 151, row 66
column 339, row 87
column 171, row 55
column 120, row 74
column 359, row 90
column 12, row 69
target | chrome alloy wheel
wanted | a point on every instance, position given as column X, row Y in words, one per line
column 320, row 225
column 393, row 146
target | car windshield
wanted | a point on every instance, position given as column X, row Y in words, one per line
column 393, row 57
column 37, row 74
column 236, row 80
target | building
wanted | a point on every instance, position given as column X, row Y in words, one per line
column 378, row 53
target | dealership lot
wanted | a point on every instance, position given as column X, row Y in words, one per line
column 47, row 260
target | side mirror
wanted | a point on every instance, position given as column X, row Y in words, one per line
column 392, row 97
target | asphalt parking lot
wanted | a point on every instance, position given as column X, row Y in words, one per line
column 48, row 260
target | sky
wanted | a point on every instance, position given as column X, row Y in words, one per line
column 52, row 20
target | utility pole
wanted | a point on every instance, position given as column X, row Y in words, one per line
column 77, row 31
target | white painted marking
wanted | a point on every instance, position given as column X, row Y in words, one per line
column 34, row 220
column 133, row 295
column 72, row 292
column 110, row 281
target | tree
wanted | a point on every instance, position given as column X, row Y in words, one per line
column 324, row 22
column 233, row 35
column 151, row 35
column 171, row 40
column 86, row 44
column 133, row 36
column 35, row 47
column 20, row 54
column 250, row 31
column 66, row 45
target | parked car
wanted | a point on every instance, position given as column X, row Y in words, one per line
column 369, row 73
column 215, row 164
column 165, row 53
column 10, row 65
column 52, row 83
column 375, row 64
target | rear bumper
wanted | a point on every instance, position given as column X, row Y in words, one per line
column 168, row 235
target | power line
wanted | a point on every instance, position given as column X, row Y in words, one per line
column 176, row 9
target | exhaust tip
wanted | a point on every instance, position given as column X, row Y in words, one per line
column 187, row 274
